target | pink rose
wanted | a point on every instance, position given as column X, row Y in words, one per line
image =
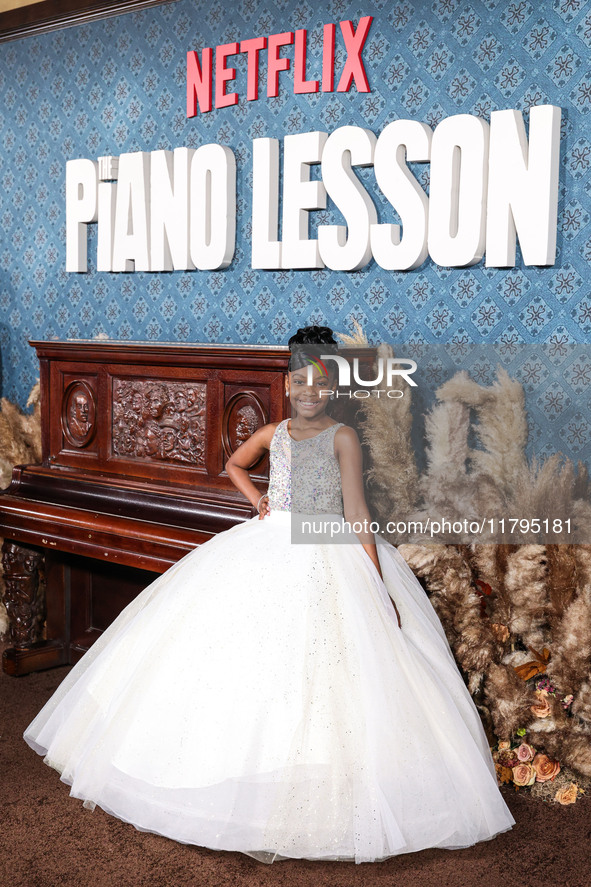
column 524, row 774
column 525, row 752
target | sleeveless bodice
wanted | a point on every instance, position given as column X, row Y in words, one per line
column 304, row 474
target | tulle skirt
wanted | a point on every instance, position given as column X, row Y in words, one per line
column 260, row 696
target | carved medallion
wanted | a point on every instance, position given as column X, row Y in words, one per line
column 78, row 413
column 156, row 420
column 244, row 413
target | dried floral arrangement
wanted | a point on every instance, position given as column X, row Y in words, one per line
column 517, row 616
column 20, row 443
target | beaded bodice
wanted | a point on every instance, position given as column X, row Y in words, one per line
column 304, row 474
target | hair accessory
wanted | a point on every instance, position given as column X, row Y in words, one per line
column 308, row 342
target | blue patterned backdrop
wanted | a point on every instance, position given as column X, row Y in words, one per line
column 119, row 85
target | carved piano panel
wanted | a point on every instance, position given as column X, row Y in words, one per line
column 159, row 421
column 157, row 411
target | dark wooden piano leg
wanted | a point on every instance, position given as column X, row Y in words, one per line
column 24, row 598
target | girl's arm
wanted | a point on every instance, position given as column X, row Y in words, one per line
column 350, row 456
column 348, row 451
column 244, row 458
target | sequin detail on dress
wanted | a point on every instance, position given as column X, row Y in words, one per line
column 304, row 474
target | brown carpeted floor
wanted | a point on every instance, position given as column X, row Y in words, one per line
column 47, row 839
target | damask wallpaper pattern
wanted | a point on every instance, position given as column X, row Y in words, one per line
column 119, row 85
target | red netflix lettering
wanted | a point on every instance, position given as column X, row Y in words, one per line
column 198, row 82
column 354, row 42
column 224, row 99
column 300, row 84
column 200, row 74
column 275, row 64
column 252, row 48
column 328, row 58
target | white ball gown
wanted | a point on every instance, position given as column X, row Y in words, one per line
column 260, row 696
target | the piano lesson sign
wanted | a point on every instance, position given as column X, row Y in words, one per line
column 492, row 184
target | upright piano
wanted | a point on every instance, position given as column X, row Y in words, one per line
column 135, row 436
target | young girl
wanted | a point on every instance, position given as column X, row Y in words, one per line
column 281, row 699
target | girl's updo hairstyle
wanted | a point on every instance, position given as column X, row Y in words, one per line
column 310, row 341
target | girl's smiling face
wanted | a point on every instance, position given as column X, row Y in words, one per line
column 309, row 391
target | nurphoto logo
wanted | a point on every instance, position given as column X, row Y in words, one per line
column 388, row 369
